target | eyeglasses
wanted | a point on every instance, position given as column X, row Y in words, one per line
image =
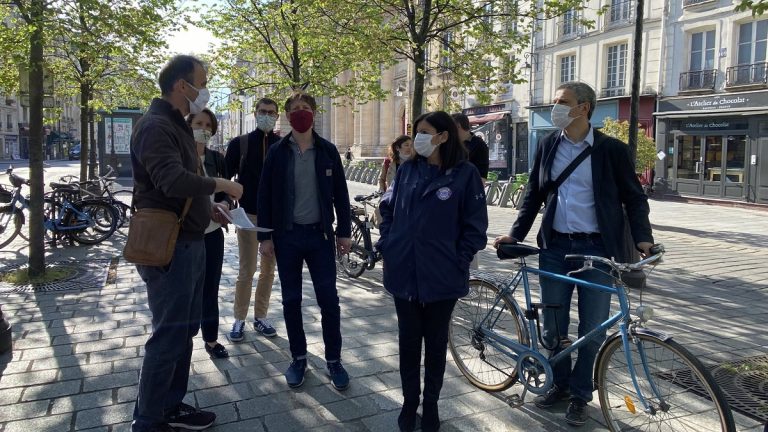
column 267, row 113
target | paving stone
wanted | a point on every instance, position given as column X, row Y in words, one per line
column 51, row 390
column 54, row 423
column 106, row 415
column 266, row 405
column 28, row 378
column 115, row 380
column 220, row 395
column 23, row 410
column 349, row 409
column 295, row 420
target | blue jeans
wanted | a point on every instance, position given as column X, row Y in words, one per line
column 594, row 307
column 174, row 294
column 308, row 243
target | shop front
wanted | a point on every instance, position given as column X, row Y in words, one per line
column 506, row 136
column 710, row 146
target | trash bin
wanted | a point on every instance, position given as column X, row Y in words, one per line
column 6, row 342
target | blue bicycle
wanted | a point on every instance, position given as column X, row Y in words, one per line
column 645, row 380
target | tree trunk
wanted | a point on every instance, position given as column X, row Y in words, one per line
column 92, row 165
column 37, row 182
column 417, row 98
column 84, row 139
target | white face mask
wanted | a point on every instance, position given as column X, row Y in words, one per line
column 265, row 122
column 561, row 117
column 202, row 136
column 422, row 143
column 197, row 106
column 404, row 157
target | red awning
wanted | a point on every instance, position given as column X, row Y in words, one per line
column 485, row 118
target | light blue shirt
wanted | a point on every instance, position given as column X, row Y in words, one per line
column 575, row 211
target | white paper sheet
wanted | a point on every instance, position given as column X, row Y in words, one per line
column 241, row 221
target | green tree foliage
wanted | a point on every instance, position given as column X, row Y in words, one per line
column 758, row 7
column 476, row 46
column 283, row 45
column 646, row 146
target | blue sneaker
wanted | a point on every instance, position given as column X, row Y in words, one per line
column 238, row 329
column 294, row 376
column 339, row 376
column 264, row 327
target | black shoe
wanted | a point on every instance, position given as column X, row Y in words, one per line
column 406, row 421
column 218, row 351
column 551, row 397
column 577, row 413
column 430, row 420
column 189, row 417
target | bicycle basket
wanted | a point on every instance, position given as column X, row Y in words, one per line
column 5, row 195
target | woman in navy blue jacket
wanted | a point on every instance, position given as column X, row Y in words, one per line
column 434, row 220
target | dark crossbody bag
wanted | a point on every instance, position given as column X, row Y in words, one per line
column 152, row 236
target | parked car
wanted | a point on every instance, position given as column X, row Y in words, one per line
column 74, row 152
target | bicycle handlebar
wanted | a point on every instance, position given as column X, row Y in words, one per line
column 657, row 250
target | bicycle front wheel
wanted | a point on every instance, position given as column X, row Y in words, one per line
column 354, row 263
column 10, row 225
column 479, row 360
column 682, row 394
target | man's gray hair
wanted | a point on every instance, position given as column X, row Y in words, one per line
column 584, row 94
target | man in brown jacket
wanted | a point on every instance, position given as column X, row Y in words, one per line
column 165, row 173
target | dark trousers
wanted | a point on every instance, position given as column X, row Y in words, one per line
column 593, row 308
column 308, row 243
column 174, row 294
column 214, row 258
column 429, row 322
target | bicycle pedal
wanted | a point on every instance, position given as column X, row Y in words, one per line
column 514, row 401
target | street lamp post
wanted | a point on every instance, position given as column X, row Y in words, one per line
column 532, row 64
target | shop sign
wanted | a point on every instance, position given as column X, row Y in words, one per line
column 714, row 103
column 487, row 109
column 706, row 124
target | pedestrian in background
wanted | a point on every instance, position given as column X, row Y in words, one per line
column 204, row 126
column 587, row 180
column 302, row 184
column 476, row 147
column 166, row 172
column 400, row 151
column 245, row 159
column 434, row 220
column 348, row 155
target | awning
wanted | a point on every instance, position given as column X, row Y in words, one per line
column 718, row 113
column 485, row 118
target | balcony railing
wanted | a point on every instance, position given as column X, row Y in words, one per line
column 612, row 92
column 698, row 80
column 568, row 29
column 747, row 75
column 689, row 3
column 620, row 13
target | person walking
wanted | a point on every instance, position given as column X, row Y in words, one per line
column 301, row 186
column 587, row 180
column 166, row 172
column 434, row 220
column 245, row 159
column 204, row 126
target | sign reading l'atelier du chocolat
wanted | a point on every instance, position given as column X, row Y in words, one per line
column 715, row 102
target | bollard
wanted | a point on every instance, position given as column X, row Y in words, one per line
column 6, row 340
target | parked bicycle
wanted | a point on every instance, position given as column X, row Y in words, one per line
column 86, row 222
column 101, row 188
column 645, row 380
column 362, row 255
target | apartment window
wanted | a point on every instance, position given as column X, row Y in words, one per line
column 569, row 24
column 9, row 122
column 703, row 51
column 752, row 42
column 621, row 11
column 445, row 58
column 567, row 68
column 616, row 70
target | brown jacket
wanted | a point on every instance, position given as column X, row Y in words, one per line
column 165, row 166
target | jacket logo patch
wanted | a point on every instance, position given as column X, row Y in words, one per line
column 444, row 193
column 329, row 172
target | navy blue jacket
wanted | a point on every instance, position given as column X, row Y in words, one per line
column 433, row 223
column 273, row 201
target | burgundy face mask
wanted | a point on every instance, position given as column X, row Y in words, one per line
column 301, row 120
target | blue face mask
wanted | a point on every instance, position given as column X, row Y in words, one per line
column 422, row 143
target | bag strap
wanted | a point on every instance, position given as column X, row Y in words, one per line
column 571, row 167
column 243, row 153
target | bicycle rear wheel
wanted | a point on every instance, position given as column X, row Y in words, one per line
column 354, row 262
column 687, row 398
column 480, row 361
column 98, row 222
column 10, row 224
column 125, row 198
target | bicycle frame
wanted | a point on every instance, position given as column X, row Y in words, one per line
column 515, row 349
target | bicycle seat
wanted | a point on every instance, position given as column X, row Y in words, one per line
column 63, row 186
column 517, row 250
column 361, row 198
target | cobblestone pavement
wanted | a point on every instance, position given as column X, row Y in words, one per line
column 77, row 354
